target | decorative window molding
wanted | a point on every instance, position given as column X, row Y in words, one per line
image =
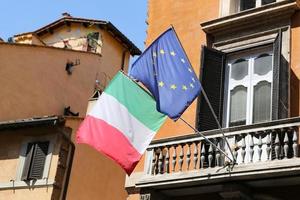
column 259, row 17
column 228, row 7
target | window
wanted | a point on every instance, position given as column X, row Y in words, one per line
column 92, row 41
column 35, row 159
column 234, row 6
column 244, row 87
column 247, row 4
column 249, row 90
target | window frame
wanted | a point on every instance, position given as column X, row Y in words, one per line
column 22, row 156
column 228, row 7
column 249, row 81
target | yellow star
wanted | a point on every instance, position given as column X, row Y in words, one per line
column 184, row 87
column 192, row 85
column 162, row 51
column 190, row 70
column 173, row 87
column 154, row 54
column 172, row 53
column 182, row 60
column 161, row 84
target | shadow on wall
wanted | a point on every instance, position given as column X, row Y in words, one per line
column 295, row 74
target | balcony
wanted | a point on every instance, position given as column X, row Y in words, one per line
column 262, row 152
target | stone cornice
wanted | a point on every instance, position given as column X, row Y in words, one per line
column 252, row 17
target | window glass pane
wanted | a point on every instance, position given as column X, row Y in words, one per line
column 264, row 2
column 263, row 64
column 239, row 69
column 247, row 4
column 238, row 104
column 262, row 102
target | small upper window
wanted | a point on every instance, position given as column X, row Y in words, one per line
column 247, row 4
column 234, row 6
column 92, row 41
column 35, row 160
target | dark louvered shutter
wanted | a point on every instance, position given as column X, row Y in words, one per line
column 212, row 76
column 280, row 105
column 28, row 158
column 38, row 160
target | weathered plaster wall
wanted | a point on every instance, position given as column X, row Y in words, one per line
column 34, row 81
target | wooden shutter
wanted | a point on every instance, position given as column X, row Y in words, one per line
column 280, row 90
column 26, row 168
column 212, row 74
column 38, row 160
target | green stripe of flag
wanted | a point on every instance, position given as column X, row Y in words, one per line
column 138, row 102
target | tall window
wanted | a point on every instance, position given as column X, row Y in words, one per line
column 249, row 90
column 36, row 153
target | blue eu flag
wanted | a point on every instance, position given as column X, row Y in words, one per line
column 166, row 71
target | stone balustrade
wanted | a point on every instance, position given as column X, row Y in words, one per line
column 265, row 142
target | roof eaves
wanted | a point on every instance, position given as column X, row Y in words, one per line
column 32, row 122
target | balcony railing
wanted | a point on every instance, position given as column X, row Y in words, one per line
column 251, row 145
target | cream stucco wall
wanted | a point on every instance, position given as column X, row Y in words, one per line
column 11, row 143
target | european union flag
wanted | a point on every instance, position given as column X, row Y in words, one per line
column 166, row 71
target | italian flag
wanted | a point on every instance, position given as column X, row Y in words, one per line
column 122, row 123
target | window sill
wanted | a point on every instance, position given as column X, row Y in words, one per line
column 23, row 184
column 252, row 17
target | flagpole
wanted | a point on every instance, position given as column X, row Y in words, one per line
column 209, row 104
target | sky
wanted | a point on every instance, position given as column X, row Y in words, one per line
column 19, row 16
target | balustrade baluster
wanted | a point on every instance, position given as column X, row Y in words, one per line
column 160, row 161
column 210, row 156
column 218, row 155
column 181, row 155
column 243, row 151
column 286, row 145
column 153, row 171
column 188, row 155
column 235, row 148
column 174, row 159
column 202, row 159
column 195, row 155
column 251, row 144
column 167, row 166
column 295, row 145
column 259, row 144
column 277, row 146
column 268, row 149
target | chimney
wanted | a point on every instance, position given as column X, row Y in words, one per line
column 65, row 14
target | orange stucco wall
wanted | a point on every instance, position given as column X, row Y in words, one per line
column 186, row 17
column 93, row 175
column 34, row 83
column 295, row 64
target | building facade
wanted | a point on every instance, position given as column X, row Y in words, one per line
column 41, row 78
column 246, row 55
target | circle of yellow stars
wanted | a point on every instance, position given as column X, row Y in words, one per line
column 174, row 86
